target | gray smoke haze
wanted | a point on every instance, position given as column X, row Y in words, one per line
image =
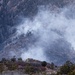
column 48, row 36
column 54, row 29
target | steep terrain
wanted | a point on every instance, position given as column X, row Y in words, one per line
column 11, row 14
column 12, row 10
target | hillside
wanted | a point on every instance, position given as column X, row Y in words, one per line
column 11, row 11
column 47, row 37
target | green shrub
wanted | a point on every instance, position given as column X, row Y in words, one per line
column 29, row 69
column 44, row 63
column 1, row 67
column 71, row 73
column 67, row 68
column 12, row 66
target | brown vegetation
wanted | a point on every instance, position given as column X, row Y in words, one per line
column 35, row 67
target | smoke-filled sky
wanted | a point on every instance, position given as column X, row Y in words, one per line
column 48, row 36
column 55, row 32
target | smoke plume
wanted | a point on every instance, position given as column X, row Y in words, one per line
column 54, row 29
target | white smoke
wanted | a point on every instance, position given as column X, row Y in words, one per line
column 49, row 26
column 36, row 53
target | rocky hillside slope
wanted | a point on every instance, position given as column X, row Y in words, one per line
column 12, row 10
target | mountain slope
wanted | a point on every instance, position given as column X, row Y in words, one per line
column 54, row 48
column 11, row 10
